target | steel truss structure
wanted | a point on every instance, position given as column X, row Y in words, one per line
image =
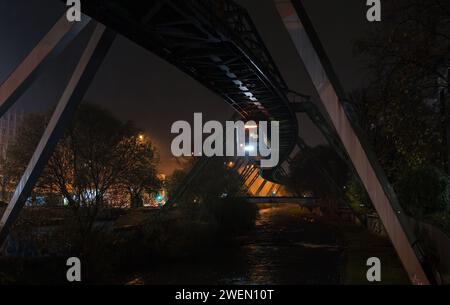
column 216, row 43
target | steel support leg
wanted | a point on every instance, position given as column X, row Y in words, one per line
column 90, row 61
column 48, row 48
column 331, row 94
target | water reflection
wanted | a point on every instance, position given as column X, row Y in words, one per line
column 286, row 247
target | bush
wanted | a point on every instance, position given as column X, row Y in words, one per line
column 424, row 191
column 177, row 233
column 232, row 214
column 6, row 279
column 357, row 198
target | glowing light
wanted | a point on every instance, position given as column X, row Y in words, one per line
column 249, row 148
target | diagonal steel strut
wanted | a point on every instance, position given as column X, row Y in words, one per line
column 48, row 48
column 317, row 64
column 91, row 59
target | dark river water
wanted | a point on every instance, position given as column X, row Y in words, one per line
column 286, row 247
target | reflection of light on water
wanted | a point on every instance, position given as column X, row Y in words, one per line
column 318, row 246
column 265, row 211
column 261, row 265
column 278, row 251
column 136, row 281
column 264, row 216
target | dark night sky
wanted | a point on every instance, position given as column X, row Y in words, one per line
column 136, row 85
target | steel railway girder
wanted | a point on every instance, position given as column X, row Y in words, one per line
column 216, row 43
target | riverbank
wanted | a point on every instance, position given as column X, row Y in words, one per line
column 359, row 246
column 288, row 245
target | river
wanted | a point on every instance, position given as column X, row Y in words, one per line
column 287, row 246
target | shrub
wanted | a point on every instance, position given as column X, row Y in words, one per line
column 232, row 214
column 357, row 198
column 177, row 233
column 424, row 191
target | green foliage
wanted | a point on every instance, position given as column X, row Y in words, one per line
column 175, row 181
column 6, row 279
column 404, row 109
column 357, row 197
column 424, row 191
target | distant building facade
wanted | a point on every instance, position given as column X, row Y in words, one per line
column 9, row 125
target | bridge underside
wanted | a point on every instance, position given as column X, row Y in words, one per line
column 216, row 43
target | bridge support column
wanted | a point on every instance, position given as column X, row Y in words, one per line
column 90, row 60
column 317, row 64
column 48, row 48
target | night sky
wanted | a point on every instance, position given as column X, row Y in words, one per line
column 136, row 85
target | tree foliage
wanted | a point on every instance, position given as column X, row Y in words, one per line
column 215, row 194
column 319, row 170
column 424, row 191
column 97, row 153
column 404, row 109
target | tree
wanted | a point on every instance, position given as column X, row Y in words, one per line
column 214, row 181
column 405, row 107
column 319, row 170
column 96, row 154
column 215, row 193
column 176, row 179
column 140, row 174
column 424, row 191
column 20, row 151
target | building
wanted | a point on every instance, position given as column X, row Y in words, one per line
column 9, row 125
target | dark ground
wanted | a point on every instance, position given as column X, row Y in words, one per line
column 289, row 245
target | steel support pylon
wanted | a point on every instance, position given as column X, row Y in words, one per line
column 318, row 66
column 51, row 45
